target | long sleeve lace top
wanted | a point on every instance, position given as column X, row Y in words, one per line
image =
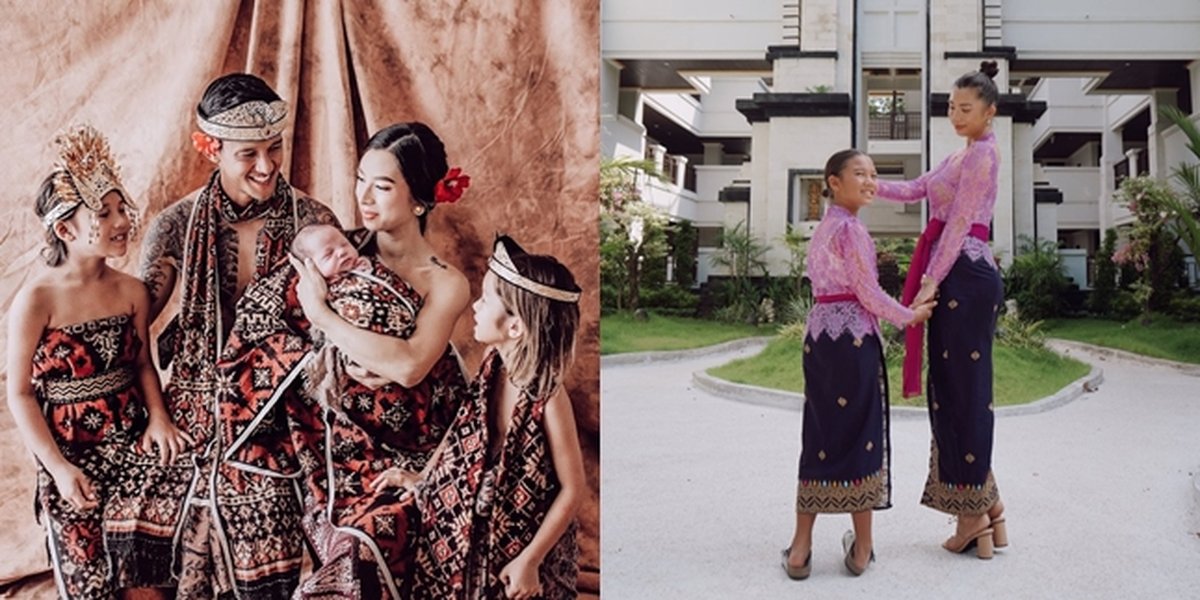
column 961, row 192
column 841, row 260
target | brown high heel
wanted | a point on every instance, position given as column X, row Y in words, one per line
column 981, row 540
column 1000, row 529
column 999, row 532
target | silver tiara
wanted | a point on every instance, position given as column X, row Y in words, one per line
column 502, row 265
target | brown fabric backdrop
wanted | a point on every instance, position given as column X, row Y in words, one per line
column 511, row 86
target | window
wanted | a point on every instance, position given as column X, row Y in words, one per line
column 804, row 195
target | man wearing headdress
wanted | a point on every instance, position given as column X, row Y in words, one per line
column 240, row 531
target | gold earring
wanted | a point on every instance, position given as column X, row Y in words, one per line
column 418, row 210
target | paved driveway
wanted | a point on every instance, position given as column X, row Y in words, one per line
column 1100, row 496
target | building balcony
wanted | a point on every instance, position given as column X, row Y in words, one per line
column 894, row 126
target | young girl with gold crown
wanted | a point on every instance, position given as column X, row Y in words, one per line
column 84, row 393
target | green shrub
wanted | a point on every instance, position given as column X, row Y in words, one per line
column 1036, row 280
column 1185, row 308
column 1125, row 306
column 1104, row 288
column 670, row 299
column 1015, row 332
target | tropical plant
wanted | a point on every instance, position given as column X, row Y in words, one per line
column 1153, row 247
column 1036, row 279
column 1186, row 209
column 633, row 236
column 743, row 257
column 1104, row 287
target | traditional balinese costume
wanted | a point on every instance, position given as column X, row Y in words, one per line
column 845, row 461
column 953, row 251
column 85, row 378
column 482, row 508
column 346, row 434
column 240, row 534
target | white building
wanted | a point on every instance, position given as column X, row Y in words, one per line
column 742, row 103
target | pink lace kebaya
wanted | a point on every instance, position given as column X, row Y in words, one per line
column 961, row 192
column 841, row 260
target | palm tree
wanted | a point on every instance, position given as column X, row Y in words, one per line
column 1186, row 210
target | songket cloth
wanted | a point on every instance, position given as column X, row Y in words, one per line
column 344, row 433
column 962, row 193
column 85, row 379
column 482, row 508
column 845, row 439
column 240, row 533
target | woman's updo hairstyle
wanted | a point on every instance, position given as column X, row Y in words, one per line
column 421, row 156
column 834, row 166
column 982, row 82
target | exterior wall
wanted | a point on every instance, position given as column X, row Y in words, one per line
column 1069, row 108
column 719, row 116
column 1088, row 29
column 688, row 29
column 1081, row 196
column 791, row 143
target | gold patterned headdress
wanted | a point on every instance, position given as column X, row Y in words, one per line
column 86, row 171
column 253, row 121
column 502, row 265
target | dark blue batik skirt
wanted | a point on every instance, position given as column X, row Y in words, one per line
column 844, row 458
column 959, row 389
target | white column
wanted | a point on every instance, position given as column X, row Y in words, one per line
column 1132, row 155
column 714, row 153
column 1155, row 145
column 1022, row 194
column 1110, row 154
column 680, row 169
column 658, row 154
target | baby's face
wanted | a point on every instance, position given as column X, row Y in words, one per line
column 331, row 252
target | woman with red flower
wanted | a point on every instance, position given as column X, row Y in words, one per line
column 394, row 383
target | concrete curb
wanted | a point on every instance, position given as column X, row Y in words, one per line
column 637, row 358
column 750, row 394
column 1062, row 346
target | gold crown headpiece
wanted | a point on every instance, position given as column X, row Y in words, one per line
column 86, row 171
column 253, row 121
column 502, row 265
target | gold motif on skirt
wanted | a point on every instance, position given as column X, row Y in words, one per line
column 945, row 354
column 953, row 304
column 807, row 349
column 821, row 455
column 842, row 401
column 870, row 446
column 975, row 355
column 858, row 342
column 970, row 458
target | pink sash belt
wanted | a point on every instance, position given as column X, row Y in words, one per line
column 915, row 335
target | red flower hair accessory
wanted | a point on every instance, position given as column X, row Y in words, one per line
column 451, row 187
column 206, row 144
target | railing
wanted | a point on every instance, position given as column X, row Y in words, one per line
column 1121, row 170
column 894, row 126
column 992, row 24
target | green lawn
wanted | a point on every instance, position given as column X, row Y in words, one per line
column 1162, row 337
column 1021, row 376
column 620, row 332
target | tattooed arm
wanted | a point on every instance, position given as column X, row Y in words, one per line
column 312, row 211
column 162, row 254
